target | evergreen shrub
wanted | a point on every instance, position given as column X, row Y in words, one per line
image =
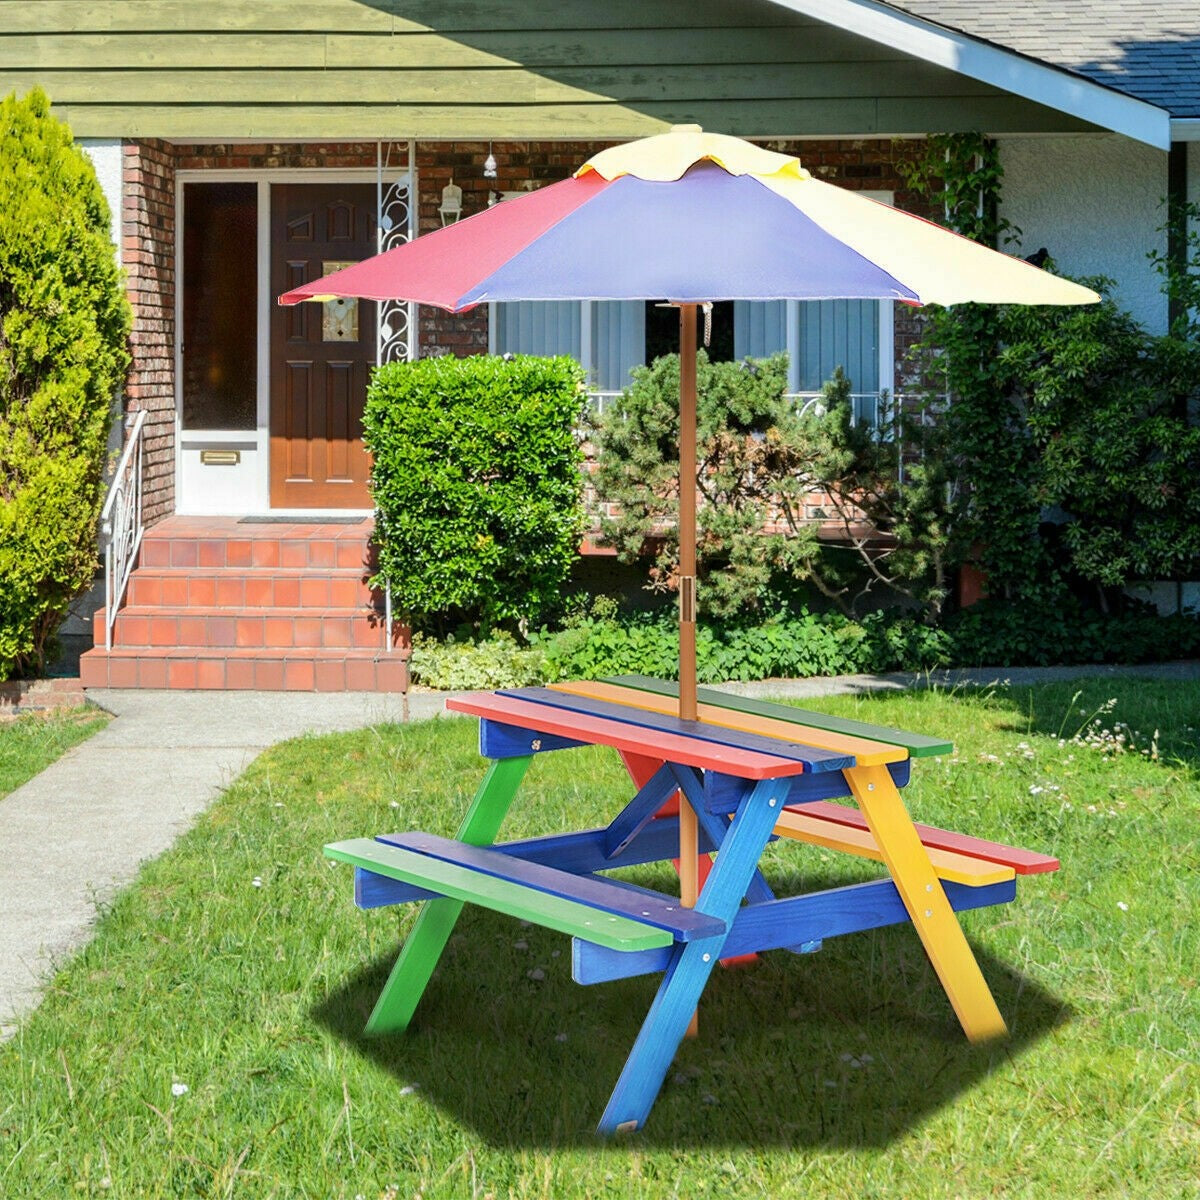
column 477, row 482
column 64, row 324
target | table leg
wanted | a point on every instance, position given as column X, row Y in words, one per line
column 435, row 922
column 692, row 963
column 921, row 891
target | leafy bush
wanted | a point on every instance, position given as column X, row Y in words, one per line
column 1069, row 440
column 994, row 633
column 761, row 460
column 496, row 662
column 477, row 485
column 64, row 322
column 786, row 646
column 808, row 644
column 745, row 427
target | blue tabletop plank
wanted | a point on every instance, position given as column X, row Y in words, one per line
column 811, row 757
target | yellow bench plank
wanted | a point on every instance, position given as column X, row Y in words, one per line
column 957, row 868
column 866, row 752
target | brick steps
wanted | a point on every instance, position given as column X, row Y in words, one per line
column 266, row 587
column 276, row 550
column 157, row 626
column 265, row 670
column 219, row 604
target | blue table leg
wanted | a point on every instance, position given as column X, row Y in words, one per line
column 678, row 994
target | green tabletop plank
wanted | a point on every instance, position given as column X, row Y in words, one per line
column 917, row 744
column 461, row 883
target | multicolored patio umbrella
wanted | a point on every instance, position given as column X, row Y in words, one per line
column 689, row 217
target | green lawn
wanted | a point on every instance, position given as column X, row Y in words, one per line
column 207, row 1043
column 31, row 743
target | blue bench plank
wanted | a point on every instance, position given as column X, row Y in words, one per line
column 461, row 884
column 812, row 758
column 778, row 924
column 580, row 853
column 662, row 912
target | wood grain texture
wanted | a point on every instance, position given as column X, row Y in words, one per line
column 607, row 896
column 466, row 69
column 813, row 758
column 623, row 736
column 919, row 745
column 960, row 868
column 866, row 752
column 1023, row 862
column 502, row 894
column 924, row 898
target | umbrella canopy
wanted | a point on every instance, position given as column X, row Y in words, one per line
column 690, row 217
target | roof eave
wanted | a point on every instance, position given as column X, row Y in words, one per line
column 1040, row 82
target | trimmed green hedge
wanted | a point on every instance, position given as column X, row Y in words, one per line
column 478, row 486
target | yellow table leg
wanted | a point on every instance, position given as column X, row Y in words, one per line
column 922, row 893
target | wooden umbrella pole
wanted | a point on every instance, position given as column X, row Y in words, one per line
column 689, row 844
column 687, row 511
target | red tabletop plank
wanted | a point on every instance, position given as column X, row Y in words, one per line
column 636, row 739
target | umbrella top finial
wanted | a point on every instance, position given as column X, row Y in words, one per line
column 666, row 157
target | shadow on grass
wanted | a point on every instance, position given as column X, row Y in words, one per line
column 851, row 1046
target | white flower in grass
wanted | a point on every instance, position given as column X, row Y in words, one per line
column 256, row 881
column 408, row 1089
column 1035, row 790
column 1122, row 906
column 179, row 1089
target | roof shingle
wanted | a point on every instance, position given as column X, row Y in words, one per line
column 1149, row 49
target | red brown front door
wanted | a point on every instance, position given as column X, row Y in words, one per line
column 321, row 354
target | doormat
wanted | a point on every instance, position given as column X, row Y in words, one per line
column 315, row 520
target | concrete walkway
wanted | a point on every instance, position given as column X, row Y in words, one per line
column 78, row 832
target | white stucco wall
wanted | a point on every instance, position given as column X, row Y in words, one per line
column 1093, row 200
column 105, row 154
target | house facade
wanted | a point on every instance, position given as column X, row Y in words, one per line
column 248, row 148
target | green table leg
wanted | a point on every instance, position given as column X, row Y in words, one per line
column 410, row 976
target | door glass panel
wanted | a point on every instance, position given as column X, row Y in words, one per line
column 220, row 298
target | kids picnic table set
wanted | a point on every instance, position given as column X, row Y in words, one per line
column 751, row 772
column 687, row 217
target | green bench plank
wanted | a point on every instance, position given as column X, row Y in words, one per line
column 514, row 899
column 917, row 745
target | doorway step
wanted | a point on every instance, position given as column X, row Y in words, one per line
column 217, row 603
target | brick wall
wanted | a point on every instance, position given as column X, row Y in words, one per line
column 148, row 236
column 148, row 254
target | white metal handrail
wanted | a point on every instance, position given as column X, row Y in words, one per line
column 121, row 524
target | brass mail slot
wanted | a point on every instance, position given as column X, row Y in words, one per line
column 220, row 458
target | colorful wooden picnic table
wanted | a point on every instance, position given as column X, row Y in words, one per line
column 751, row 771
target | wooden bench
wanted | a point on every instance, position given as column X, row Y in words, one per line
column 585, row 906
column 844, row 826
